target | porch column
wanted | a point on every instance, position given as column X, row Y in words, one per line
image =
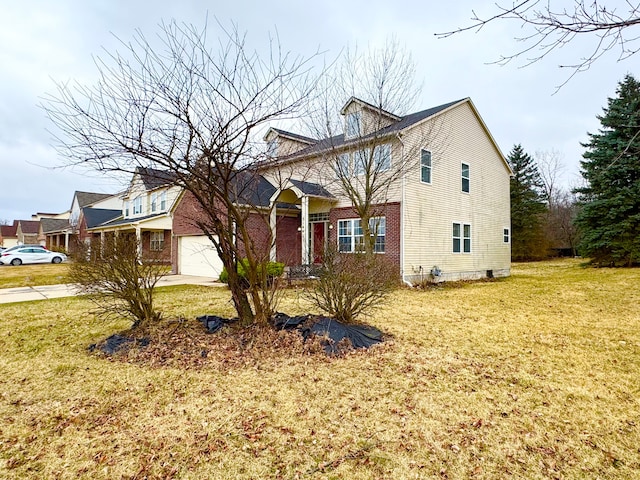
column 272, row 224
column 66, row 241
column 304, row 230
column 139, row 239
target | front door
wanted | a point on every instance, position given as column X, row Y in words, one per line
column 318, row 241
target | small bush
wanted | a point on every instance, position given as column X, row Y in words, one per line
column 118, row 280
column 351, row 284
column 274, row 270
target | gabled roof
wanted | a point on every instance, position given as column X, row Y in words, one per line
column 152, row 178
column 29, row 226
column 338, row 141
column 369, row 106
column 88, row 198
column 9, row 230
column 293, row 136
column 312, row 189
column 251, row 188
column 54, row 224
column 97, row 216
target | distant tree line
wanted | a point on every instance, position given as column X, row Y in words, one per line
column 599, row 220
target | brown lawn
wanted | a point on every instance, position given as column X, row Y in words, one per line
column 535, row 376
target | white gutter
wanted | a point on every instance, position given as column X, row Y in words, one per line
column 402, row 206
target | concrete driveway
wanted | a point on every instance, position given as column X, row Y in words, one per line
column 27, row 294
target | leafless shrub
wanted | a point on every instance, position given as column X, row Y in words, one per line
column 352, row 284
column 117, row 279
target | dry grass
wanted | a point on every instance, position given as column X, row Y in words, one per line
column 535, row 376
column 32, row 275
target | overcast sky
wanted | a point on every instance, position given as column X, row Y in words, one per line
column 43, row 41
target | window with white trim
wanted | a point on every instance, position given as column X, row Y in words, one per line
column 157, row 241
column 461, row 235
column 505, row 235
column 352, row 125
column 425, row 166
column 154, row 202
column 360, row 161
column 465, row 178
column 343, row 166
column 382, row 157
column 272, row 148
column 163, row 200
column 351, row 235
column 137, row 205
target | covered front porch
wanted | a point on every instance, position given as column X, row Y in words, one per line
column 305, row 207
column 154, row 239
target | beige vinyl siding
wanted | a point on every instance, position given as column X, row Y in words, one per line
column 320, row 170
column 430, row 210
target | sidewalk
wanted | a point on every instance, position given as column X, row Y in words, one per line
column 44, row 292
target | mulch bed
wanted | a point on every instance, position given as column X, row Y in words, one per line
column 187, row 344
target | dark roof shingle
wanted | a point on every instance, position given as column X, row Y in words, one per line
column 152, row 178
column 89, row 198
column 54, row 224
column 97, row 216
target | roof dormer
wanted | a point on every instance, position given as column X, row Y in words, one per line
column 281, row 143
column 362, row 118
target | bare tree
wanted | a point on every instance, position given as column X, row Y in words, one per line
column 549, row 26
column 383, row 82
column 195, row 112
column 561, row 230
column 117, row 279
column 550, row 167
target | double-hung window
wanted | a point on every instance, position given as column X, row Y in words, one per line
column 272, row 148
column 425, row 166
column 154, row 202
column 351, row 235
column 461, row 238
column 382, row 157
column 352, row 125
column 163, row 200
column 505, row 235
column 343, row 166
column 157, row 241
column 137, row 205
column 465, row 178
column 360, row 161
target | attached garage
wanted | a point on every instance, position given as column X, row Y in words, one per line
column 197, row 256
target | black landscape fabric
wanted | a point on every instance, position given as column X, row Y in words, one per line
column 360, row 336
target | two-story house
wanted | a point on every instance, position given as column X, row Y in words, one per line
column 88, row 209
column 444, row 212
column 146, row 208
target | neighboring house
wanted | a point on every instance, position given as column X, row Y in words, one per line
column 145, row 210
column 49, row 233
column 8, row 235
column 447, row 214
column 64, row 236
column 27, row 231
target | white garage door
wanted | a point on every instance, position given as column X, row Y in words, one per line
column 197, row 256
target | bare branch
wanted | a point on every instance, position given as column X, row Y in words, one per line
column 550, row 28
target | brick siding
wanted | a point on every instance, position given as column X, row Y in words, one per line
column 391, row 212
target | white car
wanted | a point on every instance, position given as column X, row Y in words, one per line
column 30, row 254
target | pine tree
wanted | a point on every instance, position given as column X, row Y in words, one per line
column 527, row 207
column 610, row 217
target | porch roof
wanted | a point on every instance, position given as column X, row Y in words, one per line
column 311, row 189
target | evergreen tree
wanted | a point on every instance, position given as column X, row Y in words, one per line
column 527, row 207
column 610, row 217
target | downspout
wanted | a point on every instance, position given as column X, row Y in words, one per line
column 402, row 206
